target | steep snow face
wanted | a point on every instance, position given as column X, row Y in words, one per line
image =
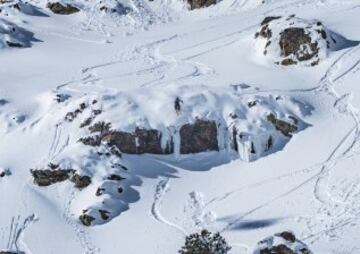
column 291, row 40
column 242, row 119
column 14, row 36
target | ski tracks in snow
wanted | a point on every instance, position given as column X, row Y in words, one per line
column 161, row 189
column 15, row 233
column 80, row 232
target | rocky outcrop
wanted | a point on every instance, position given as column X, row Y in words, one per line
column 138, row 142
column 61, row 9
column 282, row 243
column 197, row 4
column 48, row 177
column 287, row 129
column 199, row 136
column 196, row 137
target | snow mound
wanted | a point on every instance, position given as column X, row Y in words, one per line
column 14, row 36
column 282, row 243
column 292, row 40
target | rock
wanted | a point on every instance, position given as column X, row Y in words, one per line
column 117, row 8
column 281, row 243
column 81, row 182
column 198, row 137
column 115, row 177
column 268, row 19
column 86, row 219
column 58, row 8
column 288, row 236
column 197, row 4
column 48, row 177
column 295, row 41
column 104, row 214
column 287, row 129
column 5, row 172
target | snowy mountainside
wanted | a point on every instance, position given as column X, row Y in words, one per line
column 128, row 125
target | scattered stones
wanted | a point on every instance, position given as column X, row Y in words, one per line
column 70, row 116
column 59, row 8
column 287, row 129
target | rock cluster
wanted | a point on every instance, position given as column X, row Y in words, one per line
column 282, row 243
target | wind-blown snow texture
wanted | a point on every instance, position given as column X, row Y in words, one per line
column 125, row 63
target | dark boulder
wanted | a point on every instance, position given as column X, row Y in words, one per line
column 199, row 136
column 58, row 8
column 48, row 177
column 81, row 182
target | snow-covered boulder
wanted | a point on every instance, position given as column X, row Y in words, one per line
column 291, row 40
column 282, row 243
column 14, row 36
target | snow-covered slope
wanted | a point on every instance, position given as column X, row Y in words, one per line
column 147, row 121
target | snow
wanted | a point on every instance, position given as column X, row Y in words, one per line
column 135, row 65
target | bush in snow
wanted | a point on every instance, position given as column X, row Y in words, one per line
column 205, row 242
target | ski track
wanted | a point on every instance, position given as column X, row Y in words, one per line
column 80, row 232
column 18, row 226
column 161, row 189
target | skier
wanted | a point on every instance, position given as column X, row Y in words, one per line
column 178, row 101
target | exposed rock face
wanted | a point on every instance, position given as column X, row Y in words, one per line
column 282, row 243
column 295, row 41
column 287, row 129
column 48, row 177
column 139, row 142
column 58, row 8
column 197, row 4
column 198, row 137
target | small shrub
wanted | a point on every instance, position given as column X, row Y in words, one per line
column 205, row 243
